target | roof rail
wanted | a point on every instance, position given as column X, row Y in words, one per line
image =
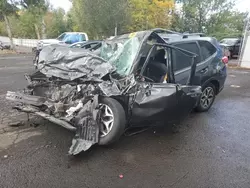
column 160, row 30
column 185, row 35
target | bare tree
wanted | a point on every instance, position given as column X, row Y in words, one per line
column 38, row 9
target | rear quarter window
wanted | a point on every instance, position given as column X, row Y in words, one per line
column 180, row 60
column 207, row 49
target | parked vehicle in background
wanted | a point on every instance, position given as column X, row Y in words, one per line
column 67, row 38
column 226, row 51
column 87, row 45
column 233, row 44
column 4, row 46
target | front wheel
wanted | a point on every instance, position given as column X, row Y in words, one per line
column 35, row 62
column 112, row 121
column 207, row 98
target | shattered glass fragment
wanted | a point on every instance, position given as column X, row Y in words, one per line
column 121, row 53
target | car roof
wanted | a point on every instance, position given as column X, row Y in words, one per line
column 193, row 38
column 75, row 33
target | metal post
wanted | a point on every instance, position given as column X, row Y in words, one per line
column 115, row 29
column 243, row 44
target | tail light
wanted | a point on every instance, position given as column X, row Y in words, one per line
column 225, row 60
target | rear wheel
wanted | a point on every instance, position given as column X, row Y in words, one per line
column 207, row 98
column 112, row 121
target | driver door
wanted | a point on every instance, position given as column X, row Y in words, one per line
column 164, row 101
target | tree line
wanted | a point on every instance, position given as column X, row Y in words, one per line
column 100, row 19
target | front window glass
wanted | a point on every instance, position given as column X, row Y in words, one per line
column 71, row 38
column 61, row 37
column 121, row 53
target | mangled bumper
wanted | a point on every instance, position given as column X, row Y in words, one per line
column 83, row 123
column 30, row 109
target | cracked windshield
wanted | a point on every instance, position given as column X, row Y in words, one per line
column 124, row 93
column 121, row 53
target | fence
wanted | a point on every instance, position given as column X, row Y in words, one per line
column 20, row 42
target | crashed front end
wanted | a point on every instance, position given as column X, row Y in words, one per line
column 66, row 90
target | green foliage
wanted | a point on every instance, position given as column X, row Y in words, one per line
column 99, row 18
column 2, row 29
column 7, row 8
column 147, row 14
column 23, row 25
column 213, row 17
column 55, row 23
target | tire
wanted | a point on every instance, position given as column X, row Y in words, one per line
column 119, row 121
column 35, row 62
column 201, row 107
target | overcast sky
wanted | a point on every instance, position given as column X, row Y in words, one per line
column 241, row 5
column 65, row 4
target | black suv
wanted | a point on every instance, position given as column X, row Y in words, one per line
column 131, row 80
column 210, row 73
column 233, row 44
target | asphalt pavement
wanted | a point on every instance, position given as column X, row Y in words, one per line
column 209, row 150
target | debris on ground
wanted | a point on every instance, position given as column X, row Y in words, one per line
column 17, row 124
column 5, row 156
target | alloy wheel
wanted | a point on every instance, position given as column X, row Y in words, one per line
column 106, row 120
column 207, row 97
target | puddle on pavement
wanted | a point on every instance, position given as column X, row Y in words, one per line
column 234, row 86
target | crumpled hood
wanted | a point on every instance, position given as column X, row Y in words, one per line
column 72, row 63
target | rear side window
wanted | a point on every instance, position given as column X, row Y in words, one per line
column 82, row 37
column 181, row 61
column 90, row 46
column 207, row 49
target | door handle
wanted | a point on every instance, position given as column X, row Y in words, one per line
column 204, row 71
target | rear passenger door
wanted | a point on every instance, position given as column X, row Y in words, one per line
column 208, row 54
column 182, row 63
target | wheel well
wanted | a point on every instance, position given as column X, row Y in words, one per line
column 216, row 85
column 122, row 101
